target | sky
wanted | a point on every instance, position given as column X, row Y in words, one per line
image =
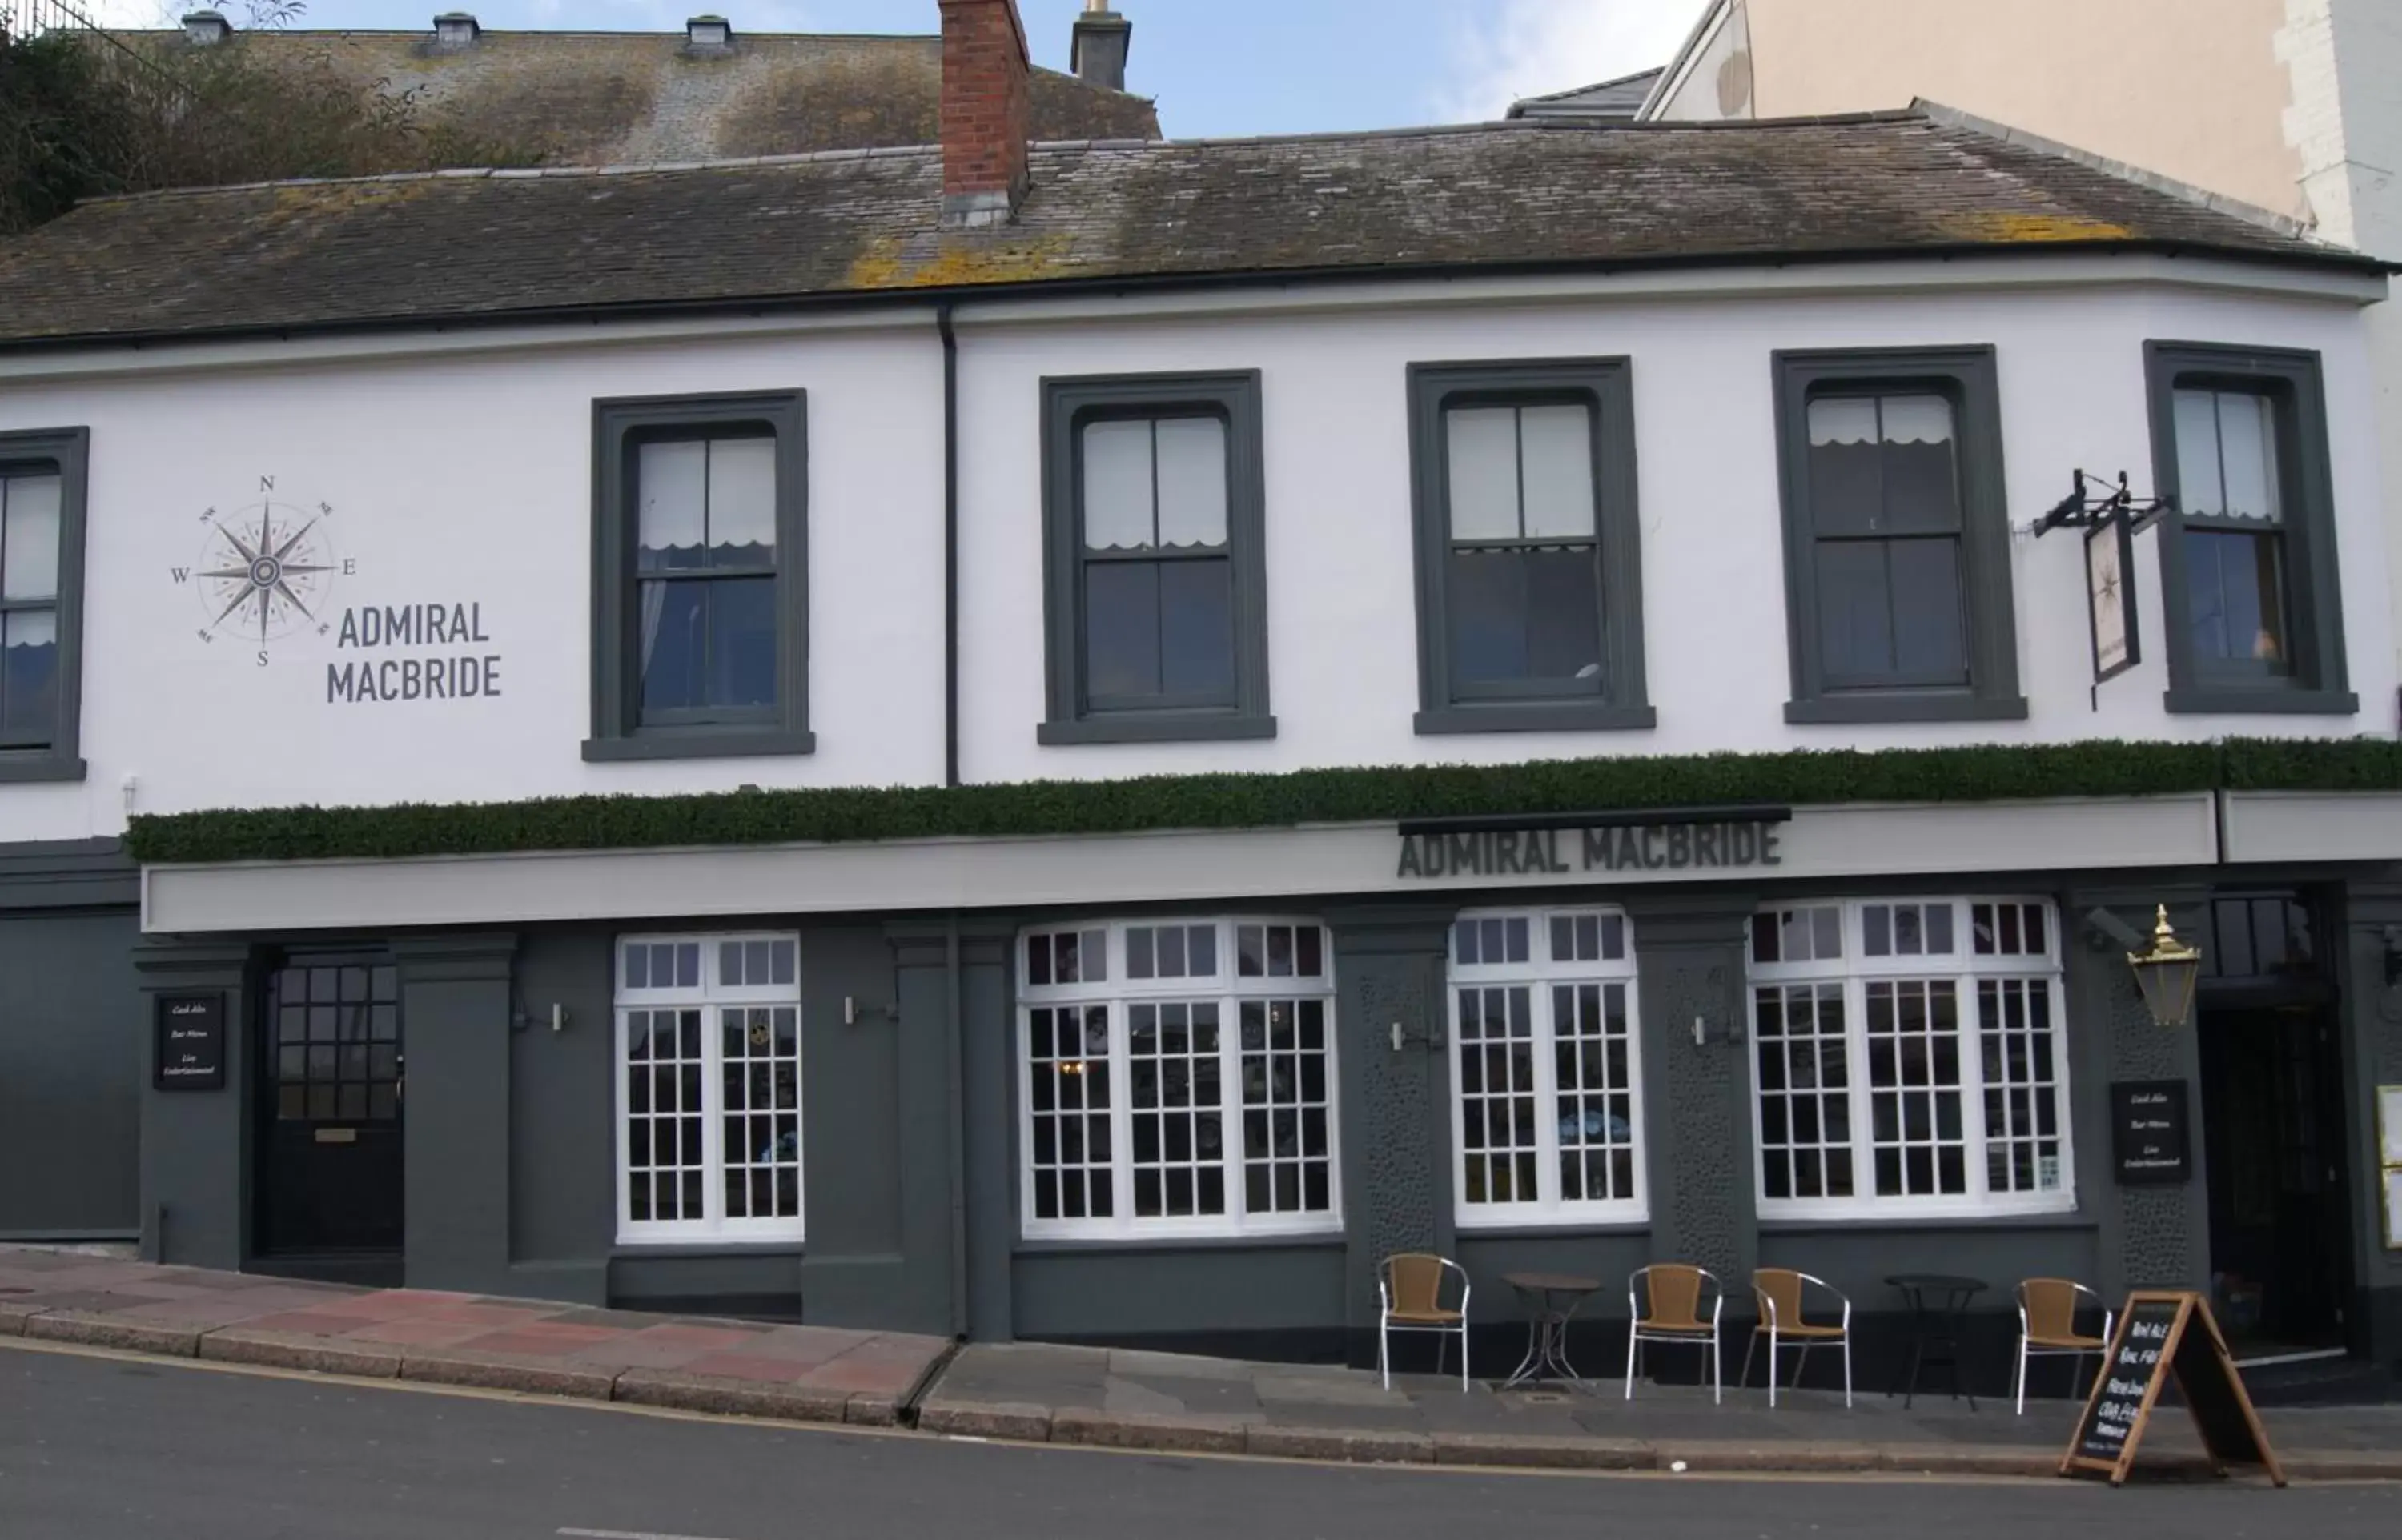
column 1218, row 67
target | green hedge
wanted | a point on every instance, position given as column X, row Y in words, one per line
column 1978, row 774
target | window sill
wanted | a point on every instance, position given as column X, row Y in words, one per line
column 1282, row 1240
column 1771, row 1223
column 702, row 1247
column 1576, row 716
column 2234, row 700
column 1518, row 1228
column 1904, row 706
column 17, row 766
column 699, row 745
column 1166, row 727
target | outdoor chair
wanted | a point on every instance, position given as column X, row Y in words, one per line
column 1409, row 1297
column 1674, row 1292
column 2048, row 1329
column 1780, row 1292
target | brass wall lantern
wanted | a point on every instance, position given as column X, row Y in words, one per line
column 2167, row 974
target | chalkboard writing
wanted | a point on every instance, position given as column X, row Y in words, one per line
column 190, row 1047
column 2161, row 1335
column 2149, row 1132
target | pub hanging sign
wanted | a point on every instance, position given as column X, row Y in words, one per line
column 1662, row 840
column 2111, row 519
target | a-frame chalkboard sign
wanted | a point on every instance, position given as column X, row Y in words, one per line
column 2160, row 1334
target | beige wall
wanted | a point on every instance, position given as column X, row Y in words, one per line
column 2190, row 88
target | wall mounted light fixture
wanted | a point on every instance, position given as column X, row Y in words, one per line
column 2167, row 973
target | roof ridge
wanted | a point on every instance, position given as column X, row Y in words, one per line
column 2234, row 208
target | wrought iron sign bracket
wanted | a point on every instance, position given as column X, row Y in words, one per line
column 2084, row 508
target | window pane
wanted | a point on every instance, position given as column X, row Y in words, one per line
column 1563, row 616
column 2199, row 489
column 1558, row 465
column 1930, row 631
column 1855, row 611
column 1117, row 486
column 1483, row 458
column 675, row 645
column 670, row 496
column 1196, row 628
column 29, row 537
column 1486, row 597
column 29, row 674
column 2236, row 601
column 1121, row 629
column 2247, row 449
column 742, row 502
column 1191, row 481
column 1846, row 478
column 742, row 641
column 1922, row 487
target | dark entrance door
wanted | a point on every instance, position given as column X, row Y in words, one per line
column 329, row 1185
column 2272, row 1119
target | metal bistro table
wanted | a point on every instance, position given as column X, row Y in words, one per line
column 1551, row 1299
column 1936, row 1329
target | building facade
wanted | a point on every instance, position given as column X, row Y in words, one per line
column 1081, row 744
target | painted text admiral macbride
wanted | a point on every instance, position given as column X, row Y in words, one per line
column 1540, row 852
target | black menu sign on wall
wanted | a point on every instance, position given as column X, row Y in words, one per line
column 190, row 1051
column 2149, row 1132
column 2159, row 1335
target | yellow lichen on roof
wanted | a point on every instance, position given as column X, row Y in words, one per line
column 294, row 201
column 958, row 261
column 1988, row 226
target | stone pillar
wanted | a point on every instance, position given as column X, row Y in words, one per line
column 455, row 1019
column 2372, row 1025
column 1697, row 1096
column 2153, row 1236
column 1395, row 1127
column 196, row 1145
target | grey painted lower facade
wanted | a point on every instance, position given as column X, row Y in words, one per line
column 911, row 1122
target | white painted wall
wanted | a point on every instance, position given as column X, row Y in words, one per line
column 468, row 480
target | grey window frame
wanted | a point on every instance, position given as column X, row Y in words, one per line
column 618, row 733
column 1605, row 386
column 1967, row 377
column 70, row 450
column 1067, row 403
column 2291, row 378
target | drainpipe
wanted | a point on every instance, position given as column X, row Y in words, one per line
column 950, row 559
column 956, row 1030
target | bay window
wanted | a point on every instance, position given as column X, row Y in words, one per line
column 1179, row 1078
column 1910, row 1058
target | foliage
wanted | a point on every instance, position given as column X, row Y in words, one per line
column 1978, row 774
column 86, row 113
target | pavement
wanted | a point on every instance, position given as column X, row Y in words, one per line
column 1100, row 1397
column 97, row 1447
column 812, row 1374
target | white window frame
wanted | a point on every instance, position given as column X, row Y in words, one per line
column 1538, row 973
column 1119, row 993
column 1964, row 969
column 707, row 997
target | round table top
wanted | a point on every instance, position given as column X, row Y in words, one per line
column 1553, row 1283
column 1939, row 1283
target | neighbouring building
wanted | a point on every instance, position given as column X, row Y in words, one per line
column 1081, row 741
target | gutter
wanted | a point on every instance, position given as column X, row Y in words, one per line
column 1120, row 286
column 942, row 324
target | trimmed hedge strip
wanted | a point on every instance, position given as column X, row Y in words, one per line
column 1983, row 773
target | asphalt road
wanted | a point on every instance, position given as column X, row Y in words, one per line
column 102, row 1449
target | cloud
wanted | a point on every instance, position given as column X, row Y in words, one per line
column 1513, row 49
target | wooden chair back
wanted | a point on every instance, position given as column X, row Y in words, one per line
column 1415, row 1280
column 1779, row 1290
column 2050, row 1307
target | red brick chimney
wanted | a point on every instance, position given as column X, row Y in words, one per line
column 985, row 115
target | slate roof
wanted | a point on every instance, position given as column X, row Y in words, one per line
column 1611, row 101
column 618, row 98
column 494, row 246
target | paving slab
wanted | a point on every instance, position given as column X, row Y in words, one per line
column 293, row 1351
column 731, row 1398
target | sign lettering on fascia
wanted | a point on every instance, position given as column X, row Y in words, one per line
column 1670, row 841
column 457, row 676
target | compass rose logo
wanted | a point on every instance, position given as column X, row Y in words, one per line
column 266, row 569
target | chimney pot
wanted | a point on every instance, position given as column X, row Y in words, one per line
column 709, row 34
column 455, row 29
column 205, row 27
column 985, row 76
column 1102, row 41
